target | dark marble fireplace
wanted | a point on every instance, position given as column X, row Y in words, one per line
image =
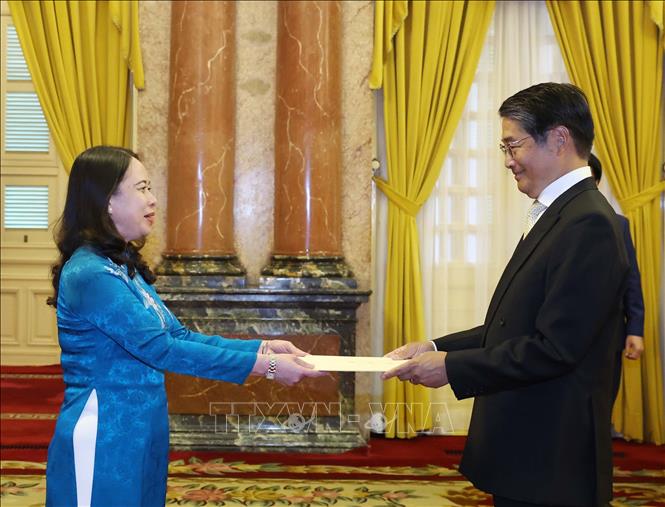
column 317, row 414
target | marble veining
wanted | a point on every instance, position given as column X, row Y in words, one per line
column 307, row 129
column 202, row 128
column 320, row 62
column 199, row 208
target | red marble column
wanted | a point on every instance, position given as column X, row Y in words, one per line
column 201, row 140
column 308, row 142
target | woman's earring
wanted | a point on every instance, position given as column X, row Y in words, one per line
column 110, row 210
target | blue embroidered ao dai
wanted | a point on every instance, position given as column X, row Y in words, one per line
column 117, row 339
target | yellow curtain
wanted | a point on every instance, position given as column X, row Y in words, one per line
column 425, row 58
column 79, row 54
column 657, row 12
column 612, row 51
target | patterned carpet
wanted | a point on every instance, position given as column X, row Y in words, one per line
column 416, row 473
column 216, row 482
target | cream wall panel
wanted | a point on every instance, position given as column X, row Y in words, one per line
column 42, row 327
column 30, row 356
column 9, row 322
column 35, row 257
column 29, row 331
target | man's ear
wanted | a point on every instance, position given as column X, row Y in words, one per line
column 562, row 136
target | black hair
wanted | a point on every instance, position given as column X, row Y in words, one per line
column 596, row 168
column 95, row 176
column 544, row 106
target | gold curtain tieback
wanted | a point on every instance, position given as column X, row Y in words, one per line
column 398, row 199
column 640, row 199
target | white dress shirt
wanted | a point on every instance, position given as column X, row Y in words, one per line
column 560, row 185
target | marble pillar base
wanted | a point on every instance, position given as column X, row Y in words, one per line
column 307, row 272
column 263, row 415
column 213, row 271
column 263, row 434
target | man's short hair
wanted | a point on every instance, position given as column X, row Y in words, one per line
column 596, row 168
column 544, row 106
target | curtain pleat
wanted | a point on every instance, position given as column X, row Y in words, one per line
column 80, row 55
column 613, row 51
column 425, row 63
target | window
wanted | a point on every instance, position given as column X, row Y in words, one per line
column 32, row 185
column 32, row 179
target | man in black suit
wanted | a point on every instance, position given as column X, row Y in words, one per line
column 541, row 366
column 633, row 302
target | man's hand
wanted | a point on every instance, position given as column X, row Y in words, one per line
column 428, row 369
column 634, row 346
column 411, row 350
column 280, row 347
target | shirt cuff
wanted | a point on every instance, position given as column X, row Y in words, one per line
column 434, row 343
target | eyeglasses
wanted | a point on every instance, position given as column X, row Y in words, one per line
column 508, row 148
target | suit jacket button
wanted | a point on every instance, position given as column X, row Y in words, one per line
column 502, row 322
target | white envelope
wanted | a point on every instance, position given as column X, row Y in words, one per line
column 352, row 363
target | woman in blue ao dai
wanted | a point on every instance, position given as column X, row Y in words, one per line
column 110, row 446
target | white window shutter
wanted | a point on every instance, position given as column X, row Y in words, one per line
column 26, row 207
column 25, row 126
column 17, row 69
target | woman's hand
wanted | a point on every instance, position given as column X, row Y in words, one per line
column 289, row 368
column 280, row 347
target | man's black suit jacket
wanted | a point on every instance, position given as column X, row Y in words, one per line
column 541, row 366
column 633, row 301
